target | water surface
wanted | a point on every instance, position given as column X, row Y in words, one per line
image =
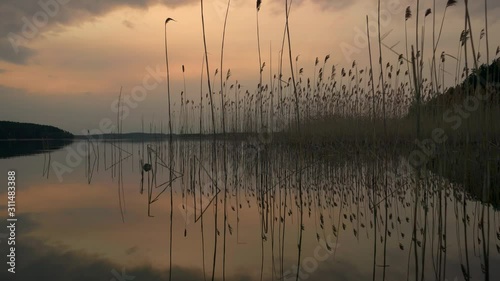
column 90, row 211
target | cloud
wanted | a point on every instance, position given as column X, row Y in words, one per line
column 476, row 8
column 8, row 52
column 25, row 20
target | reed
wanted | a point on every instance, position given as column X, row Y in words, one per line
column 349, row 114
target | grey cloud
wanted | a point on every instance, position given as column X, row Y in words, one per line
column 476, row 9
column 9, row 54
column 28, row 19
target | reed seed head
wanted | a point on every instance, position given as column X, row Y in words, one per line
column 428, row 12
column 451, row 3
column 408, row 13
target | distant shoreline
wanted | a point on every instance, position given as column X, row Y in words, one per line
column 160, row 136
column 30, row 131
column 45, row 139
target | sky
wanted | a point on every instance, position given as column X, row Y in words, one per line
column 63, row 62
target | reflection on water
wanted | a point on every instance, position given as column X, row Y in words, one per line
column 13, row 148
column 259, row 213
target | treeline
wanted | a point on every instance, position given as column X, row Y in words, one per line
column 16, row 130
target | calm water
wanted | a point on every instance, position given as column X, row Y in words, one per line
column 261, row 213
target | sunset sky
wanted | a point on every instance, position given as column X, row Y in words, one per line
column 68, row 70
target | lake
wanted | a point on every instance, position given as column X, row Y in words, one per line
column 122, row 210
